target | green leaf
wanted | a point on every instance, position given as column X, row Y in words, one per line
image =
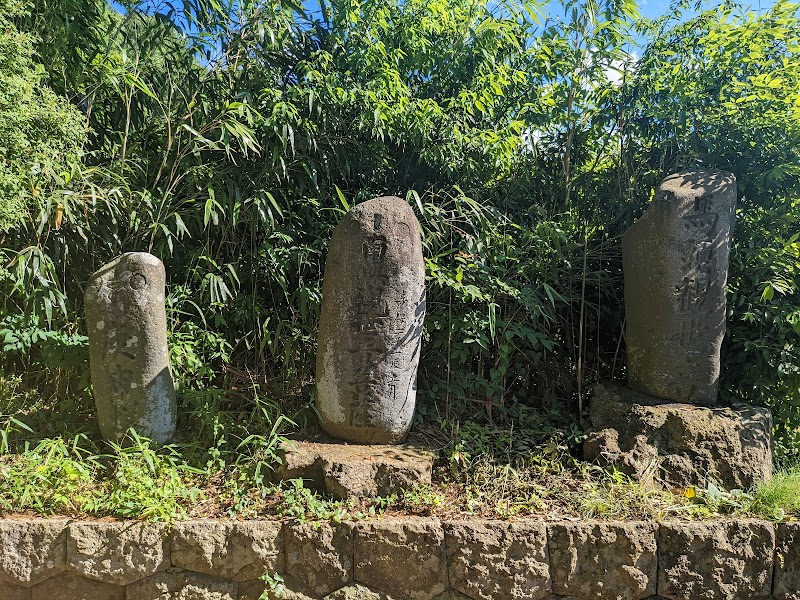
column 342, row 198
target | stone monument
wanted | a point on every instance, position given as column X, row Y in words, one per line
column 129, row 362
column 664, row 426
column 373, row 309
column 675, row 262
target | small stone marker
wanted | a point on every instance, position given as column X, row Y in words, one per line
column 129, row 362
column 675, row 262
column 371, row 324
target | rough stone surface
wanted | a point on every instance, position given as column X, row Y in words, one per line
column 252, row 589
column 708, row 561
column 496, row 559
column 73, row 587
column 603, row 560
column 346, row 471
column 176, row 584
column 236, row 550
column 32, row 550
column 411, row 558
column 787, row 562
column 119, row 552
column 555, row 597
column 451, row 594
column 679, row 444
column 355, row 591
column 373, row 308
column 675, row 262
column 405, row 557
column 129, row 362
column 319, row 557
column 9, row 591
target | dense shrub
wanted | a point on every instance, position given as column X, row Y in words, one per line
column 229, row 137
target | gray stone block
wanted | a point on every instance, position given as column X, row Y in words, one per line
column 679, row 444
column 10, row 591
column 402, row 556
column 237, row 550
column 718, row 559
column 355, row 591
column 616, row 560
column 497, row 559
column 451, row 594
column 319, row 557
column 787, row 562
column 31, row 550
column 346, row 470
column 118, row 552
column 176, row 584
column 74, row 587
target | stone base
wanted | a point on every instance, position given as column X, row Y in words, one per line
column 679, row 445
column 345, row 471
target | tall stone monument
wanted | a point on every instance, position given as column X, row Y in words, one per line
column 675, row 262
column 665, row 426
column 373, row 309
column 129, row 362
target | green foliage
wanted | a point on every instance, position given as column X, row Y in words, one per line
column 52, row 477
column 304, row 504
column 229, row 138
column 149, row 484
column 510, row 471
column 779, row 497
column 42, row 134
column 615, row 496
column 723, row 90
column 775, row 499
column 64, row 477
column 493, row 322
column 275, row 587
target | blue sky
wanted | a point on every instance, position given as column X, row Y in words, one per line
column 657, row 8
column 648, row 8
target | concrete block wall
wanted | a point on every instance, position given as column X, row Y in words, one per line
column 408, row 558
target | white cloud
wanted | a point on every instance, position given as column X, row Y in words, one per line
column 616, row 71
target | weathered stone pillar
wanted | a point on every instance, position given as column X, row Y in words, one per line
column 129, row 362
column 675, row 262
column 371, row 325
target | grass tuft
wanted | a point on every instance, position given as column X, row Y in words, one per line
column 778, row 497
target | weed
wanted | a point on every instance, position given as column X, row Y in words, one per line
column 613, row 495
column 275, row 587
column 778, row 497
column 52, row 477
column 147, row 483
column 305, row 505
column 422, row 497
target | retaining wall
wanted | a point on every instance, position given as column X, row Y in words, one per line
column 408, row 558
